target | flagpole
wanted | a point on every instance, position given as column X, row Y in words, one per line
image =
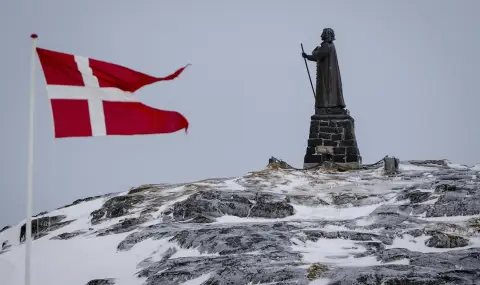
column 28, row 226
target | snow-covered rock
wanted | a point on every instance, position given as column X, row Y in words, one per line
column 273, row 226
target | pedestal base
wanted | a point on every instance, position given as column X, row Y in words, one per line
column 332, row 140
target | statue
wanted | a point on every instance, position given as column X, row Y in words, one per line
column 331, row 139
column 329, row 83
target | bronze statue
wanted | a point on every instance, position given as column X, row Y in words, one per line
column 329, row 83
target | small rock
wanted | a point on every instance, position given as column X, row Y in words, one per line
column 316, row 270
column 444, row 187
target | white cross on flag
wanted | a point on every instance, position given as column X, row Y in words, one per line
column 95, row 98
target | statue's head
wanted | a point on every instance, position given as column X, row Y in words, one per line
column 328, row 35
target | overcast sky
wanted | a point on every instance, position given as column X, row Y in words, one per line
column 409, row 71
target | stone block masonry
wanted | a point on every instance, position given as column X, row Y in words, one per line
column 332, row 139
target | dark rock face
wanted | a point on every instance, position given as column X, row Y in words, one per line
column 4, row 228
column 42, row 226
column 444, row 187
column 123, row 226
column 346, row 199
column 211, row 204
column 109, row 281
column 115, row 207
column 455, row 204
column 441, row 240
column 226, row 270
column 314, row 235
column 416, row 196
column 306, row 200
column 207, row 204
column 66, row 236
column 272, row 210
column 399, row 275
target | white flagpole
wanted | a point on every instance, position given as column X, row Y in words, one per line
column 28, row 226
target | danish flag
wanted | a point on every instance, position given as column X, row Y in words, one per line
column 96, row 98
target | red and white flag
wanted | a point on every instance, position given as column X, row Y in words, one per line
column 95, row 98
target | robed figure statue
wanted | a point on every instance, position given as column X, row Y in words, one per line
column 328, row 93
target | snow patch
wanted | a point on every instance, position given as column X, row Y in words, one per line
column 339, row 252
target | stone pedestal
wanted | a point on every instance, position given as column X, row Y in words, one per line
column 332, row 139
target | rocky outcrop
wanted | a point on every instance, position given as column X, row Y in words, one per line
column 123, row 226
column 115, row 207
column 66, row 236
column 44, row 225
column 455, row 204
column 442, row 240
column 289, row 227
column 205, row 205
column 274, row 241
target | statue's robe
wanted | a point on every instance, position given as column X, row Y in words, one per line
column 328, row 93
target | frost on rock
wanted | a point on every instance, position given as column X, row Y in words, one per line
column 275, row 226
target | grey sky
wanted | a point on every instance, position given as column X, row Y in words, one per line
column 409, row 70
